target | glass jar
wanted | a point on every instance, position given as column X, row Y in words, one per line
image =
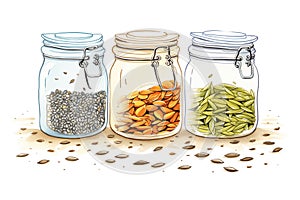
column 72, row 85
column 145, row 85
column 221, row 85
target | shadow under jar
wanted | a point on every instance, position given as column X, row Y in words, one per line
column 73, row 85
column 145, row 85
column 221, row 85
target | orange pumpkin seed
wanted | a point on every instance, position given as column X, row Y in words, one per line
column 158, row 114
column 173, row 119
column 138, row 103
column 169, row 115
column 155, row 88
column 133, row 95
column 140, row 111
column 146, row 92
column 172, row 103
column 151, row 108
column 159, row 103
column 165, row 110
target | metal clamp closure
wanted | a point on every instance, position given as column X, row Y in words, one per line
column 244, row 58
column 84, row 64
column 169, row 62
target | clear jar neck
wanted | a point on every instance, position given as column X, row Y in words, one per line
column 71, row 54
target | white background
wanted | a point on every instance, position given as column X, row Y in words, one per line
column 276, row 24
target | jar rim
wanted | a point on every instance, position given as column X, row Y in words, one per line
column 72, row 40
column 146, row 39
column 222, row 39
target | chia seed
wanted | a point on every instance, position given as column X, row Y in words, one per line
column 74, row 113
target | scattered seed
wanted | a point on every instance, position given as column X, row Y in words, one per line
column 65, row 72
column 234, row 142
column 201, row 154
column 159, row 164
column 78, row 144
column 188, row 147
column 110, row 161
column 266, row 134
column 94, row 143
column 23, row 129
column 209, row 148
column 34, row 132
column 249, row 166
column 65, row 142
column 232, row 155
column 172, row 153
column 277, row 149
column 209, row 76
column 50, row 150
column 184, row 167
column 277, row 128
column 157, row 148
column 246, row 159
column 231, row 169
column 141, row 162
column 217, row 161
column 40, row 140
column 71, row 158
column 121, row 156
column 252, row 140
column 22, row 155
column 265, row 163
column 44, row 161
column 268, row 143
column 72, row 81
column 111, row 136
column 252, row 149
column 262, row 154
column 117, row 141
column 187, row 142
column 129, row 147
column 71, row 150
column 103, row 152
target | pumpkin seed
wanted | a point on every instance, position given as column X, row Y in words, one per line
column 230, row 169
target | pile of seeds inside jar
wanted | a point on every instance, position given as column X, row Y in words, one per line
column 223, row 109
column 75, row 113
column 150, row 111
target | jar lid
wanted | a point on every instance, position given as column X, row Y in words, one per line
column 222, row 39
column 72, row 40
column 146, row 39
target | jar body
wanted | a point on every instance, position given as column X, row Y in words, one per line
column 219, row 102
column 71, row 107
column 140, row 108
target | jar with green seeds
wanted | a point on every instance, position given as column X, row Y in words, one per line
column 221, row 85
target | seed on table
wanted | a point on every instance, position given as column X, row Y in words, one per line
column 252, row 149
column 184, row 167
column 23, row 129
column 217, row 161
column 71, row 158
column 231, row 169
column 122, row 156
column 50, row 150
column 34, row 132
column 246, row 159
column 172, row 153
column 40, row 140
column 72, row 81
column 277, row 128
column 65, row 142
column 111, row 136
column 188, row 147
column 252, row 140
column 268, row 143
column 201, row 154
column 43, row 161
column 159, row 164
column 234, row 142
column 249, row 166
column 65, row 72
column 232, row 155
column 141, row 162
column 102, row 152
column 266, row 134
column 158, row 148
column 22, row 155
column 277, row 149
column 110, row 161
column 117, row 141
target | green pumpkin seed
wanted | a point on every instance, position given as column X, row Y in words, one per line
column 212, row 104
column 219, row 101
column 248, row 103
column 224, row 119
column 232, row 105
column 202, row 108
column 208, row 112
column 207, row 120
column 234, row 111
column 246, row 109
